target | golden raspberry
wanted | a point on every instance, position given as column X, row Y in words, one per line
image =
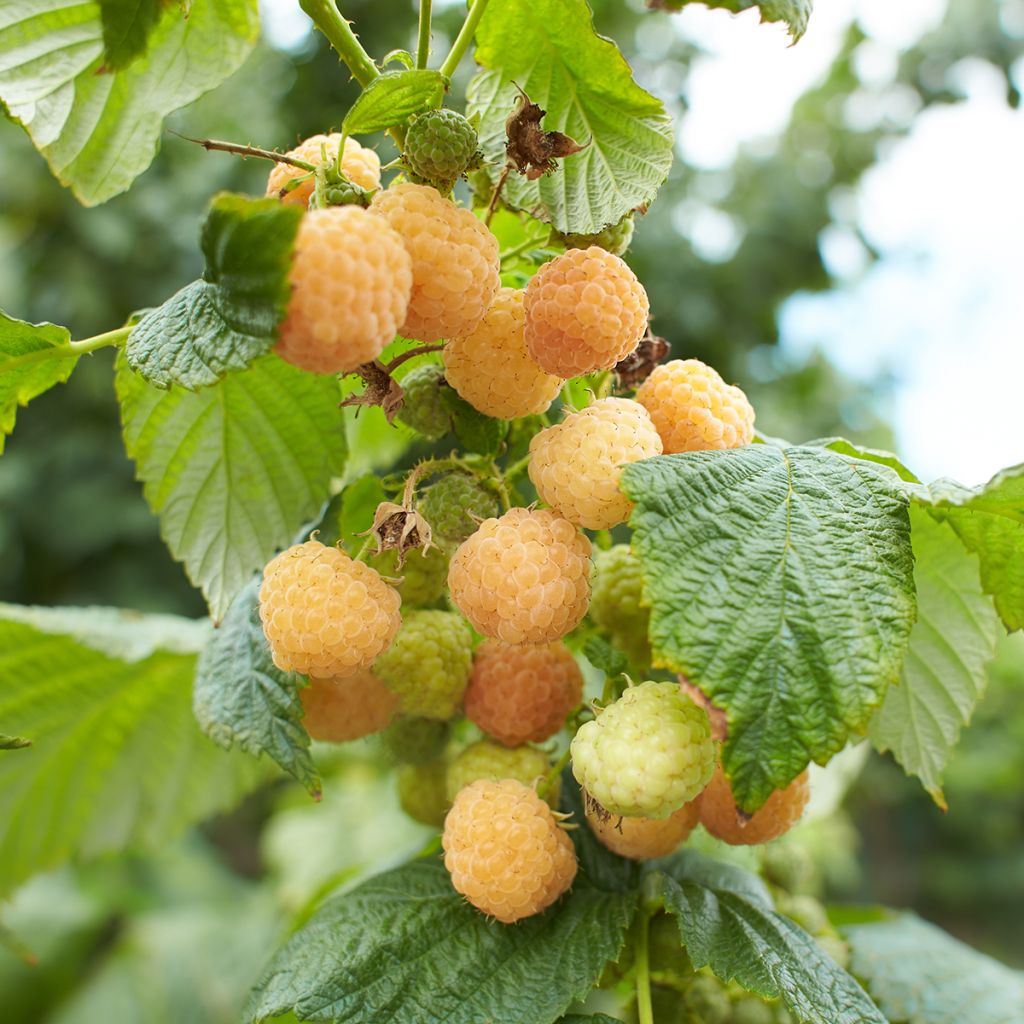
column 454, row 261
column 585, row 310
column 783, row 809
column 523, row 578
column 487, row 760
column 323, row 613
column 351, row 278
column 490, row 367
column 641, row 838
column 505, row 851
column 575, row 465
column 694, row 410
column 339, row 710
column 359, row 164
column 522, row 694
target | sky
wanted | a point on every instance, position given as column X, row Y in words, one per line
column 943, row 311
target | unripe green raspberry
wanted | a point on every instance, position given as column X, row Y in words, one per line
column 614, row 239
column 428, row 663
column 616, row 604
column 412, row 740
column 423, row 576
column 751, row 1010
column 422, row 406
column 421, row 792
column 708, row 1001
column 647, row 754
column 806, row 911
column 455, row 505
column 836, row 948
column 486, row 760
column 440, row 146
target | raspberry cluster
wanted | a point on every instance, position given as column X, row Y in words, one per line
column 294, row 185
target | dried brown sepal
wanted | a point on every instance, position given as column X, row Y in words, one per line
column 531, row 150
column 632, row 371
column 381, row 389
column 397, row 528
column 599, row 811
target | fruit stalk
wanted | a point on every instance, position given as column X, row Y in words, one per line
column 68, row 351
column 464, row 38
column 326, row 16
column 423, row 44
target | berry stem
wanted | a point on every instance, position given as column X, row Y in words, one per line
column 234, row 147
column 493, row 205
column 518, row 250
column 423, row 44
column 464, row 38
column 420, row 350
column 326, row 16
column 516, row 469
column 552, row 777
column 644, row 1009
column 71, row 350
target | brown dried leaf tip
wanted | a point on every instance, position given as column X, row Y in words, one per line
column 716, row 715
column 396, row 528
column 640, row 363
column 530, row 149
column 381, row 389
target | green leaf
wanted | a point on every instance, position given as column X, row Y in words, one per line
column 794, row 13
column 604, row 656
column 22, row 377
column 233, row 470
column 920, row 975
column 13, row 742
column 727, row 923
column 589, row 1018
column 406, row 940
column 781, row 583
column 241, row 698
column 475, row 431
column 116, row 759
column 100, row 129
column 392, row 99
column 550, row 49
column 944, row 673
column 127, row 25
column 990, row 522
column 359, row 502
column 228, row 319
column 844, row 447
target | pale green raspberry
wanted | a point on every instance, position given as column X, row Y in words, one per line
column 616, row 604
column 421, row 792
column 411, row 740
column 487, row 760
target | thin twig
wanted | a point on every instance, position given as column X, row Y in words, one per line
column 246, row 151
column 464, row 38
column 497, row 193
column 420, row 350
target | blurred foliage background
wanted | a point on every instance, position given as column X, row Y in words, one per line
column 179, row 936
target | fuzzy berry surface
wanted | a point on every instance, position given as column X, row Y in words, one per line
column 454, row 261
column 454, row 505
column 359, row 164
column 522, row 694
column 505, row 851
column 694, row 410
column 325, row 614
column 782, row 810
column 487, row 760
column 491, row 368
column 421, row 792
column 641, row 838
column 585, row 310
column 410, row 739
column 575, row 465
column 523, row 578
column 340, row 710
column 615, row 238
column 421, row 579
column 423, row 409
column 617, row 604
column 646, row 754
column 351, row 280
column 428, row 663
column 440, row 146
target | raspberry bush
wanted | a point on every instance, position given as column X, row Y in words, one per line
column 413, row 439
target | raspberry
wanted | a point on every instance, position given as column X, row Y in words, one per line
column 522, row 694
column 750, row 1010
column 523, row 578
column 708, row 1000
column 575, row 465
column 454, row 261
column 323, row 613
column 454, row 505
column 615, row 238
column 358, row 164
column 421, row 792
column 694, row 410
column 720, row 816
column 422, row 407
column 422, row 576
column 351, row 279
column 585, row 310
column 440, row 146
column 646, row 754
column 486, row 760
column 339, row 710
column 428, row 663
column 505, row 851
column 411, row 740
column 617, row 605
column 641, row 838
column 490, row 367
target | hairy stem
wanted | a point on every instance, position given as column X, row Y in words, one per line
column 464, row 38
column 423, row 44
column 244, row 151
column 69, row 351
column 328, row 19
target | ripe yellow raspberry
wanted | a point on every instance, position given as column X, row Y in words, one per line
column 694, row 410
column 490, row 367
column 505, row 851
column 641, row 838
column 575, row 465
column 522, row 694
column 783, row 809
column 585, row 310
column 454, row 261
column 351, row 279
column 523, row 578
column 359, row 164
column 486, row 760
column 323, row 613
column 339, row 710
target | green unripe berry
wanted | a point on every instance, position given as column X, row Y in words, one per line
column 454, row 506
column 421, row 792
column 616, row 604
column 708, row 1001
column 411, row 740
column 750, row 1010
column 440, row 146
column 487, row 760
column 423, row 575
column 423, row 409
column 615, row 238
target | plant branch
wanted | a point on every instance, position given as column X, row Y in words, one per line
column 245, row 151
column 420, row 350
column 464, row 38
column 518, row 250
column 338, row 31
column 644, row 1009
column 71, row 350
column 423, row 45
column 552, row 777
column 493, row 205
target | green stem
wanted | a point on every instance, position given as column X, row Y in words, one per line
column 329, row 20
column 517, row 250
column 423, row 46
column 71, row 350
column 644, row 1009
column 516, row 468
column 553, row 776
column 464, row 38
